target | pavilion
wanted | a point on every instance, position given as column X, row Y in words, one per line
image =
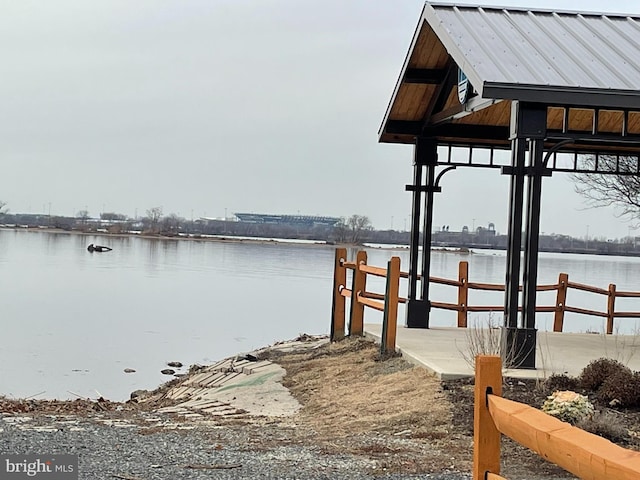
column 559, row 89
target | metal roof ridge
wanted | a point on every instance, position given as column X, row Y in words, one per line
column 533, row 9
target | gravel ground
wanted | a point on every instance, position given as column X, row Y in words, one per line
column 133, row 450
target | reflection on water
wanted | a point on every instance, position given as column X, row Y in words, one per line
column 74, row 320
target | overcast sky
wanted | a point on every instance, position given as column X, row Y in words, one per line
column 210, row 106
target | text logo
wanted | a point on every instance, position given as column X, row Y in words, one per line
column 49, row 467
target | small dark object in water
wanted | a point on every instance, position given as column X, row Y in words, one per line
column 98, row 248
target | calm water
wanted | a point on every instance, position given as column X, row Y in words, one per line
column 73, row 321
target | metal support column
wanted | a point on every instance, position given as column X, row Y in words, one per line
column 427, row 233
column 425, row 154
column 414, row 241
column 516, row 196
column 528, row 121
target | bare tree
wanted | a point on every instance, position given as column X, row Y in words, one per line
column 618, row 190
column 112, row 216
column 2, row 207
column 171, row 223
column 352, row 229
column 153, row 218
column 83, row 215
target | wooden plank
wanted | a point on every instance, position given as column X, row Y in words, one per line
column 588, row 288
column 634, row 123
column 611, row 307
column 377, row 271
column 585, row 455
column 584, row 311
column 371, row 303
column 390, row 318
column 444, row 281
column 581, row 119
column 486, row 308
column 561, row 301
column 463, row 293
column 359, row 285
column 445, row 306
column 627, row 314
column 554, row 118
column 493, row 476
column 338, row 310
column 486, row 436
column 628, row 294
column 610, row 121
column 486, row 286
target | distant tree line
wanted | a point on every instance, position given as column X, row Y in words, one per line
column 356, row 229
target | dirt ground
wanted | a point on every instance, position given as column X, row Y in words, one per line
column 387, row 410
column 356, row 402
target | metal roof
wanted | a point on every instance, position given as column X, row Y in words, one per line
column 542, row 55
column 559, row 58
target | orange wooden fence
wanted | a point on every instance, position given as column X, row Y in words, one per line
column 360, row 298
column 581, row 453
column 379, row 301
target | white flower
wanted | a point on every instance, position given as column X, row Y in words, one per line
column 568, row 406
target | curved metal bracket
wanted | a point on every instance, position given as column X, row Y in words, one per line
column 554, row 149
column 437, row 182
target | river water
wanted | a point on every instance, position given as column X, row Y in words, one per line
column 72, row 321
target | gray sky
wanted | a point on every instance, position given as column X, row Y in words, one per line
column 202, row 106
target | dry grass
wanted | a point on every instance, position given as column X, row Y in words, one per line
column 384, row 408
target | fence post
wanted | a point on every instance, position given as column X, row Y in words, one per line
column 611, row 307
column 463, row 293
column 486, row 437
column 359, row 285
column 339, row 302
column 561, row 302
column 390, row 316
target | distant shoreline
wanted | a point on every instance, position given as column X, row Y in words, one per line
column 448, row 248
column 198, row 237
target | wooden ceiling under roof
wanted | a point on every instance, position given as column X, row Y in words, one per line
column 425, row 103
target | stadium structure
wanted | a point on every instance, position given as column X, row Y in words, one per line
column 292, row 220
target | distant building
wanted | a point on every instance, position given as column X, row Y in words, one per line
column 291, row 220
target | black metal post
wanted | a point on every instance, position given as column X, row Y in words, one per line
column 530, row 278
column 427, row 234
column 414, row 242
column 516, row 195
column 425, row 154
column 528, row 121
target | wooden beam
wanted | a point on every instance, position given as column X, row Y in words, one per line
column 468, row 131
column 390, row 317
column 403, row 127
column 427, row 76
column 359, row 286
column 486, row 437
column 585, row 455
column 339, row 307
column 446, row 115
column 441, row 95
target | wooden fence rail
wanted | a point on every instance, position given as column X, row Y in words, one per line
column 360, row 298
column 581, row 453
column 379, row 301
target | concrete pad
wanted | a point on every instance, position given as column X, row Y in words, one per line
column 442, row 351
column 238, row 385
